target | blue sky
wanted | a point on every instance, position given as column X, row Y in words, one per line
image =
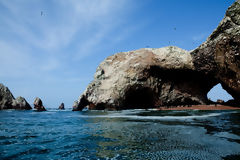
column 51, row 48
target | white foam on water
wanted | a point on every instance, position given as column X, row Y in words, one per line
column 153, row 117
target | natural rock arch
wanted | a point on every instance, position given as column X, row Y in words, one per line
column 219, row 55
column 169, row 75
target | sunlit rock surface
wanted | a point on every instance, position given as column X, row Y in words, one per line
column 7, row 100
column 21, row 103
column 145, row 78
column 148, row 78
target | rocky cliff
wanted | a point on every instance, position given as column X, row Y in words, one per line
column 219, row 55
column 148, row 78
column 7, row 100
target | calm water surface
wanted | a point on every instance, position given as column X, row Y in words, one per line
column 129, row 134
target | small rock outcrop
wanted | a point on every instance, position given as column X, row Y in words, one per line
column 220, row 101
column 75, row 106
column 38, row 105
column 7, row 100
column 6, row 97
column 61, row 107
column 169, row 76
column 21, row 103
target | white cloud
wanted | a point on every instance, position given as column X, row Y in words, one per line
column 41, row 42
column 60, row 22
column 47, row 27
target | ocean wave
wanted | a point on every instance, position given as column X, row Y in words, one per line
column 152, row 117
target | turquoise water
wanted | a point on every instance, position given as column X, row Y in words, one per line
column 129, row 134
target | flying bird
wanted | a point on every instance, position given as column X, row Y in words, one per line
column 41, row 13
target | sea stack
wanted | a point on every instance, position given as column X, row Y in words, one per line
column 21, row 103
column 38, row 105
column 75, row 106
column 169, row 76
column 7, row 100
column 61, row 107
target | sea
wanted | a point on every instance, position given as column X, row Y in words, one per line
column 128, row 134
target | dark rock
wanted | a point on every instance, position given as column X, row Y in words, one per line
column 61, row 107
column 219, row 56
column 220, row 101
column 233, row 103
column 7, row 100
column 21, row 103
column 76, row 106
column 38, row 105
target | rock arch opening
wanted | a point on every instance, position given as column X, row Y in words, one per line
column 218, row 93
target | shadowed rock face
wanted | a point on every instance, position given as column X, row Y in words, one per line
column 38, row 105
column 219, row 55
column 21, row 103
column 6, row 97
column 61, row 107
column 76, row 105
column 7, row 100
column 148, row 78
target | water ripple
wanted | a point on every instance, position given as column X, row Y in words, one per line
column 129, row 134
